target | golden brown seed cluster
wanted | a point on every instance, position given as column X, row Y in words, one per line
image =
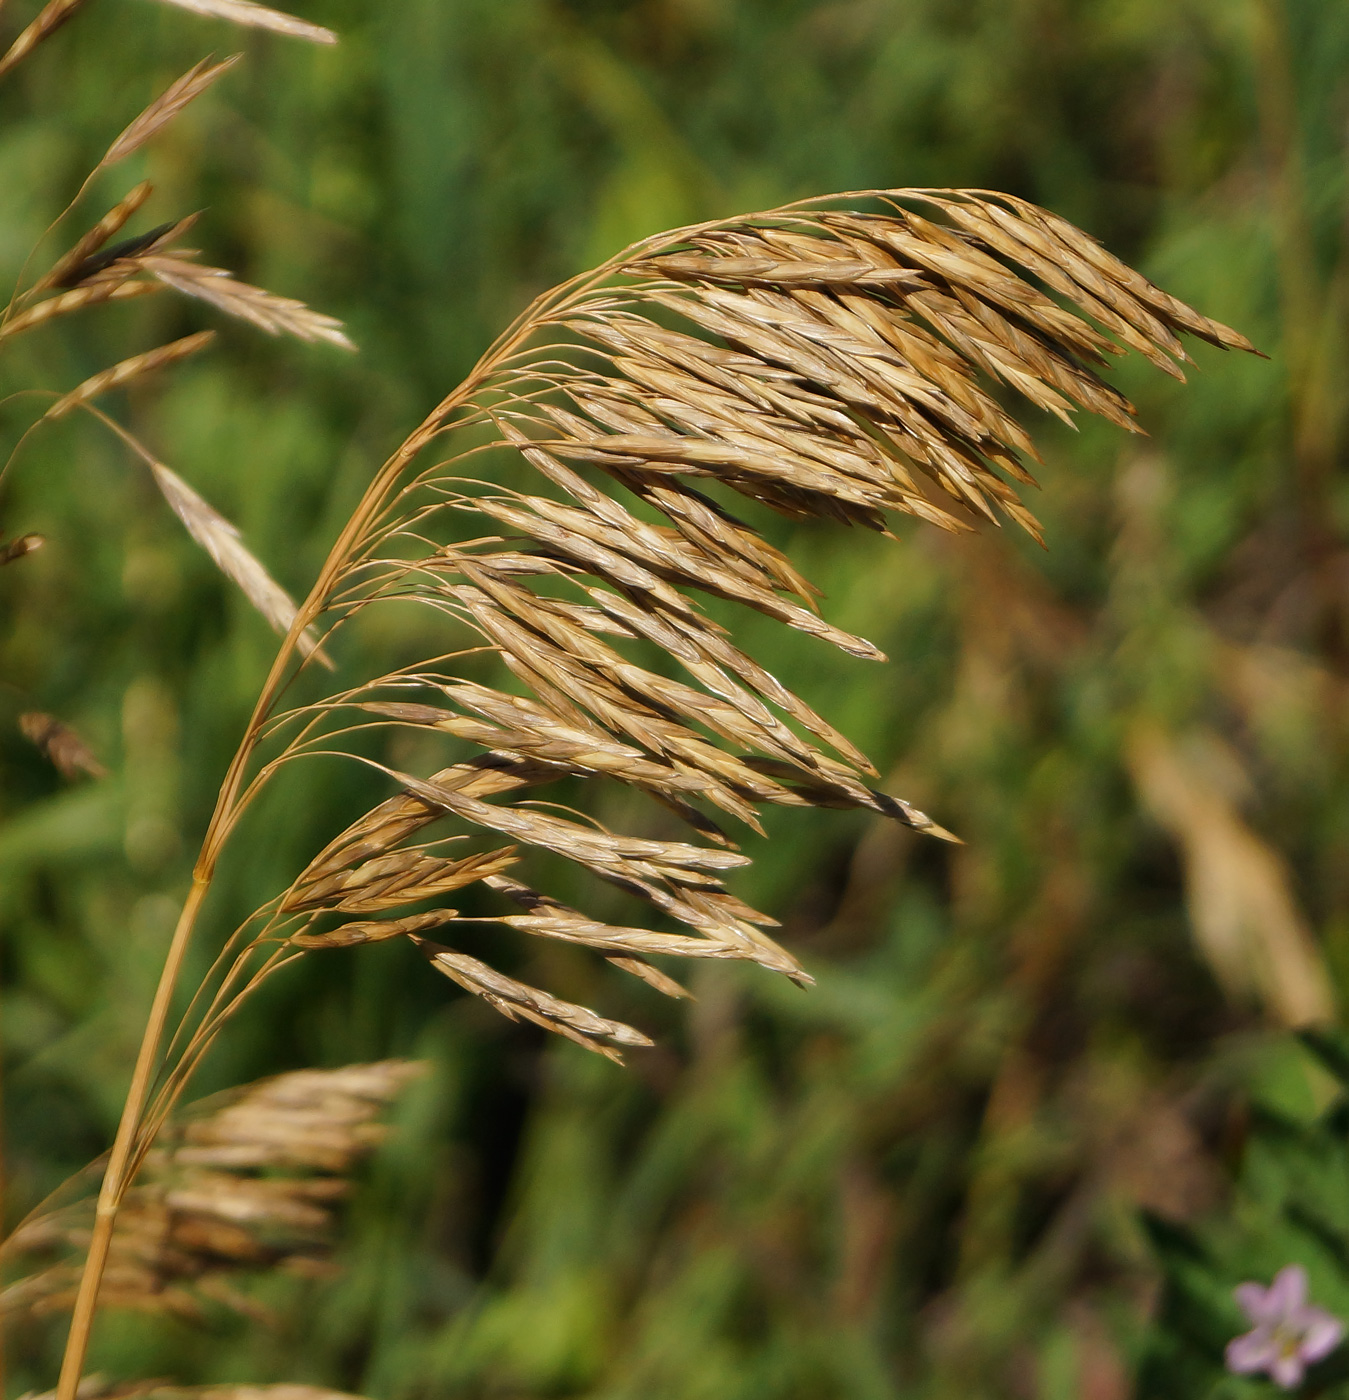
column 835, row 363
column 248, row 1180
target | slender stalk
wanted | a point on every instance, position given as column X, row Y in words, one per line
column 115, row 1177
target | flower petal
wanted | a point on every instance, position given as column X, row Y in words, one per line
column 1252, row 1351
column 1254, row 1301
column 1289, row 1289
column 1287, row 1370
column 1323, row 1332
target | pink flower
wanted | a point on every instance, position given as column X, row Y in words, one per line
column 1289, row 1333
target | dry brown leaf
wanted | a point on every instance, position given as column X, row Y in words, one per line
column 1245, row 917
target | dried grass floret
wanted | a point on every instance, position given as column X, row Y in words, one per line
column 166, row 107
column 19, row 547
column 68, row 753
column 50, row 18
column 126, row 370
column 222, row 541
column 517, row 1000
column 74, row 300
column 269, row 312
column 60, row 274
column 247, row 1180
column 256, row 16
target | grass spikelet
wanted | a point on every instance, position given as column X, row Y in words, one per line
column 20, row 547
column 112, row 222
column 126, row 370
column 269, row 312
column 50, row 18
column 126, row 258
column 255, row 16
column 75, row 300
column 360, row 931
column 68, row 753
column 402, row 878
column 222, row 541
column 120, row 259
column 519, row 1001
column 247, row 1180
column 166, row 107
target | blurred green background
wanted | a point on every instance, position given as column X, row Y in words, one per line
column 1045, row 1106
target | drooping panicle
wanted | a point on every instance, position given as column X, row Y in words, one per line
column 569, row 510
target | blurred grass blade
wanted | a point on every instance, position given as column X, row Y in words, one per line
column 1245, row 918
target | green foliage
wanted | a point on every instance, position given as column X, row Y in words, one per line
column 1287, row 1203
column 1038, row 1117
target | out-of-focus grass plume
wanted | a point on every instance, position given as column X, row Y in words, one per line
column 244, row 1183
column 1046, row 1092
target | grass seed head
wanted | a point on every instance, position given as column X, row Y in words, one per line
column 845, row 364
column 166, row 107
column 68, row 753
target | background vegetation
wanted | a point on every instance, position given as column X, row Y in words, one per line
column 1044, row 1108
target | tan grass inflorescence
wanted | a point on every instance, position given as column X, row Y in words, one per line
column 166, row 107
column 569, row 510
column 255, row 16
column 67, row 751
column 822, row 361
column 50, row 18
column 246, row 1181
